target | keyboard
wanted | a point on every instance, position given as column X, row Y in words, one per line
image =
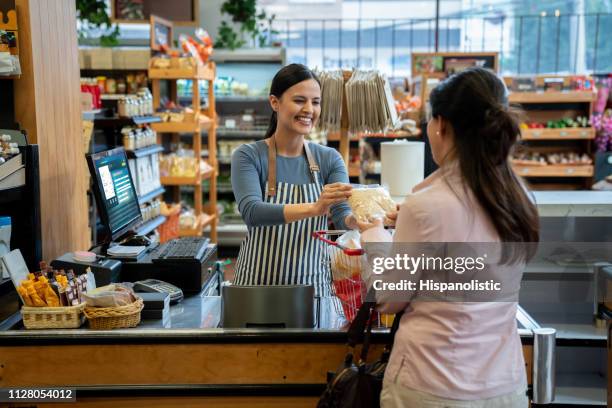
column 183, row 250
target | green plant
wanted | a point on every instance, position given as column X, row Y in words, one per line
column 94, row 14
column 252, row 24
column 227, row 38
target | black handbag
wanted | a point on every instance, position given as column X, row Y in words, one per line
column 359, row 385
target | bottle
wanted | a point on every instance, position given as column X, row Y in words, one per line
column 122, row 108
column 126, row 137
column 111, row 86
column 121, row 87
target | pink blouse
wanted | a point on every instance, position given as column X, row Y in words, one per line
column 463, row 351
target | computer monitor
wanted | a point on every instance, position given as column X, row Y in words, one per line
column 114, row 191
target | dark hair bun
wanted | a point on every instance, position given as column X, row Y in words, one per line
column 499, row 132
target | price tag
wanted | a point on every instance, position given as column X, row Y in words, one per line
column 570, row 171
column 230, row 123
column 563, row 133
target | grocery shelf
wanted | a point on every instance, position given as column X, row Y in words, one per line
column 150, row 225
column 196, row 71
column 228, row 133
column 151, row 195
column 202, row 123
column 554, row 170
column 401, row 134
column 118, row 121
column 145, row 151
column 193, row 122
column 558, row 134
column 202, row 222
column 552, row 97
column 180, row 181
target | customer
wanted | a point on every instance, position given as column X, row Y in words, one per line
column 285, row 187
column 462, row 354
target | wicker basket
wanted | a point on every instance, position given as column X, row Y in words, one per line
column 120, row 317
column 64, row 317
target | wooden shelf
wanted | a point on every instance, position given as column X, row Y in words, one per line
column 203, row 123
column 391, row 135
column 552, row 97
column 554, row 171
column 192, row 123
column 201, row 72
column 180, row 181
column 187, row 181
column 559, row 134
column 203, row 221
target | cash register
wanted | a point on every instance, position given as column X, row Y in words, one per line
column 188, row 263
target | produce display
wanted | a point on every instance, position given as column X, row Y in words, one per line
column 578, row 122
column 563, row 158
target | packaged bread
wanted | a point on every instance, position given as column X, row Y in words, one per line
column 112, row 295
column 371, row 202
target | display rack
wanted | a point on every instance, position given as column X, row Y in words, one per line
column 552, row 105
column 193, row 124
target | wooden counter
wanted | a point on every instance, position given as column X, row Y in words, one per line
column 167, row 367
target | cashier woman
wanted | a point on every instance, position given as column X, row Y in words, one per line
column 285, row 187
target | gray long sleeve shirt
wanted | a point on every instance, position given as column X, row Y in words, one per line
column 250, row 174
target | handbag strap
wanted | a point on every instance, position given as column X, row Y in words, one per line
column 366, row 339
column 360, row 330
column 355, row 332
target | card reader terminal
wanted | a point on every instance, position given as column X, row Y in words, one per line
column 155, row 285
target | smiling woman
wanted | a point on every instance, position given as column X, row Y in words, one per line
column 285, row 187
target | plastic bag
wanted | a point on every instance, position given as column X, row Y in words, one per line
column 371, row 202
column 345, row 266
column 109, row 296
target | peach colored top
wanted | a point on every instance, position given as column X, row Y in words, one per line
column 463, row 351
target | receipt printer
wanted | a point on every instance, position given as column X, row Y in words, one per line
column 105, row 270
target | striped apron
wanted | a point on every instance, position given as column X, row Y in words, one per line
column 286, row 254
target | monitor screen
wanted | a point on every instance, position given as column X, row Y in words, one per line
column 114, row 191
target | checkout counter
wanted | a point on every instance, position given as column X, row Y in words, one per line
column 191, row 361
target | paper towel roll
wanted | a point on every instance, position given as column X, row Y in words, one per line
column 403, row 166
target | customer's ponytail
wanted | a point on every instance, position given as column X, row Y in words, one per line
column 284, row 79
column 485, row 130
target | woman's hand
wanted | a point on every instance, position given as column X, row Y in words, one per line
column 363, row 226
column 332, row 194
column 391, row 217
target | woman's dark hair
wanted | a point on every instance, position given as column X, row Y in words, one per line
column 284, row 79
column 475, row 102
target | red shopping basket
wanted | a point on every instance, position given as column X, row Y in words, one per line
column 345, row 266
